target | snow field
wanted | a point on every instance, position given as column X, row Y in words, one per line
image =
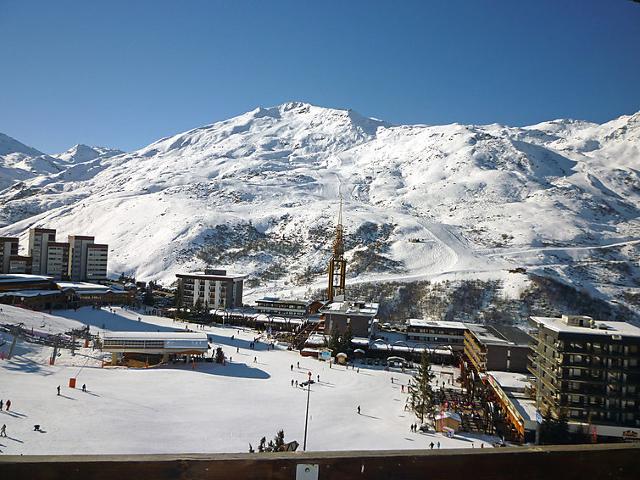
column 213, row 408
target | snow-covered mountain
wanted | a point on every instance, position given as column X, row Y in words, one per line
column 259, row 194
column 83, row 153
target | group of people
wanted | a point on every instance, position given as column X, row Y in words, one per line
column 6, row 405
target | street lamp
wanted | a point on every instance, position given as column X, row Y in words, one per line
column 306, row 420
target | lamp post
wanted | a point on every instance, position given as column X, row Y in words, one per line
column 306, row 420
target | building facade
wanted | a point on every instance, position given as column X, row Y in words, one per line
column 8, row 248
column 359, row 316
column 500, row 347
column 87, row 259
column 210, row 289
column 435, row 332
column 283, row 307
column 97, row 258
column 39, row 239
column 58, row 260
column 588, row 371
column 19, row 264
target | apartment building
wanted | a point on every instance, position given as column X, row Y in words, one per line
column 58, row 260
column 283, row 307
column 436, row 332
column 359, row 315
column 19, row 264
column 8, row 248
column 213, row 288
column 87, row 259
column 39, row 239
column 589, row 370
column 500, row 347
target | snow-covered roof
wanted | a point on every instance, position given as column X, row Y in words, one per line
column 353, row 308
column 29, row 293
column 603, row 327
column 416, row 322
column 82, row 286
column 447, row 414
column 510, row 380
column 22, row 277
column 177, row 335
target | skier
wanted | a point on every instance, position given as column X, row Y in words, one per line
column 296, row 383
column 402, row 388
column 438, row 444
column 3, row 430
column 84, row 387
column 298, row 364
column 431, row 445
column 58, row 390
column 8, row 405
column 318, row 378
column 36, row 428
column 292, row 367
column 255, row 359
column 292, row 382
column 1, row 404
column 237, row 349
column 358, row 409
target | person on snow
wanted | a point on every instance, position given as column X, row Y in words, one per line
column 431, row 445
column 438, row 444
column 358, row 409
column 292, row 382
column 296, row 383
column 255, row 359
column 58, row 390
column 292, row 367
column 1, row 404
column 84, row 387
column 3, row 430
column 318, row 378
column 8, row 405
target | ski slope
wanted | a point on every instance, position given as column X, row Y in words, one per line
column 213, row 408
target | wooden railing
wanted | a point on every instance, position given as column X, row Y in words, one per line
column 579, row 462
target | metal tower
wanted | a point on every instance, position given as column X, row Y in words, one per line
column 337, row 264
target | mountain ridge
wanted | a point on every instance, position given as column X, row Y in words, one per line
column 428, row 202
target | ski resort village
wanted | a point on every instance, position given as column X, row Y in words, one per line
column 92, row 365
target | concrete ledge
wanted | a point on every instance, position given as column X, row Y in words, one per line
column 579, row 462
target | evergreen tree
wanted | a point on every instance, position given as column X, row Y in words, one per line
column 219, row 355
column 277, row 444
column 345, row 340
column 334, row 341
column 197, row 307
column 261, row 445
column 554, row 431
column 421, row 394
column 148, row 297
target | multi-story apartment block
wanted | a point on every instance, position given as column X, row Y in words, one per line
column 19, row 264
column 436, row 332
column 39, row 239
column 8, row 247
column 341, row 314
column 58, row 260
column 503, row 348
column 97, row 256
column 213, row 288
column 589, row 371
column 87, row 260
column 283, row 307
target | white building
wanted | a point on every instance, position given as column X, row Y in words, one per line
column 39, row 239
column 436, row 332
column 87, row 259
column 212, row 288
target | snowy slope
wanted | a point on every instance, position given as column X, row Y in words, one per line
column 83, row 153
column 258, row 193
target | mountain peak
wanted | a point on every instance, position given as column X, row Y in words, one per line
column 10, row 145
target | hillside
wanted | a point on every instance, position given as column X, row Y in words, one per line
column 259, row 194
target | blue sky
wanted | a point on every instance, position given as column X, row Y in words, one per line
column 125, row 73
